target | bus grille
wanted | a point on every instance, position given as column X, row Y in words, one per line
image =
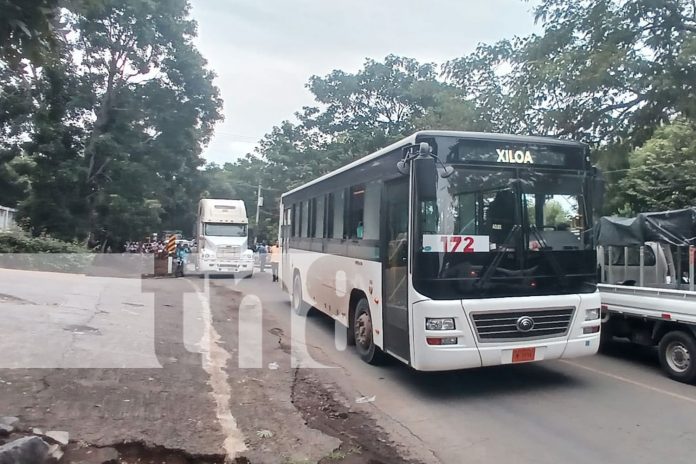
column 503, row 326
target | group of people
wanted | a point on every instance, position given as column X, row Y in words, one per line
column 263, row 251
column 156, row 247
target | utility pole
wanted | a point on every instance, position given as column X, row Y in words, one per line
column 259, row 204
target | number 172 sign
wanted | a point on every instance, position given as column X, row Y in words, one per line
column 456, row 243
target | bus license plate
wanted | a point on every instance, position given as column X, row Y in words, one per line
column 523, row 355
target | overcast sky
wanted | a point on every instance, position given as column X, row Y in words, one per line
column 264, row 51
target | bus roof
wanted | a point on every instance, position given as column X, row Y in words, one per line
column 411, row 139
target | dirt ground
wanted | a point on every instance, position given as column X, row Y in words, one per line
column 169, row 414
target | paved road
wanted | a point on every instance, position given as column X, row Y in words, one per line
column 147, row 382
column 613, row 408
column 115, row 361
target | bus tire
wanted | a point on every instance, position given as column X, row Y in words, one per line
column 678, row 356
column 299, row 306
column 362, row 331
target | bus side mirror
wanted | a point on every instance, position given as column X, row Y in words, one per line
column 425, row 171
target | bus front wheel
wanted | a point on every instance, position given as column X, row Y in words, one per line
column 363, row 330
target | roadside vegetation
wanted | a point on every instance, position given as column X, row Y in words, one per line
column 115, row 137
column 20, row 242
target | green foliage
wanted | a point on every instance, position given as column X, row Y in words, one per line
column 118, row 110
column 17, row 242
column 26, row 30
column 43, row 253
column 554, row 213
column 606, row 72
column 382, row 96
column 662, row 171
column 119, row 122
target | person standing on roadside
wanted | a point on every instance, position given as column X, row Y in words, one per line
column 262, row 256
column 275, row 260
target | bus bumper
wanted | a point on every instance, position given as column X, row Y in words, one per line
column 442, row 358
column 469, row 353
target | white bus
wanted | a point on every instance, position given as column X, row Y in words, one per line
column 222, row 238
column 451, row 250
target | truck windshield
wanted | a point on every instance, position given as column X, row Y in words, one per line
column 225, row 230
column 504, row 232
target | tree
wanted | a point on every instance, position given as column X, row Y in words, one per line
column 16, row 106
column 485, row 84
column 383, row 96
column 662, row 171
column 125, row 140
column 451, row 110
column 606, row 72
column 607, row 69
column 26, row 30
column 554, row 213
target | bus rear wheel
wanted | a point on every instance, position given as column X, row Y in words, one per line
column 298, row 305
column 363, row 334
column 678, row 356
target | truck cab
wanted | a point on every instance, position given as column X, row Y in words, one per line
column 222, row 238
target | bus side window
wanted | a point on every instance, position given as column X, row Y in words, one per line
column 339, row 216
column 328, row 215
column 371, row 214
column 356, row 210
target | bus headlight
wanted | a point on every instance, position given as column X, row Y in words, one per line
column 440, row 323
column 592, row 314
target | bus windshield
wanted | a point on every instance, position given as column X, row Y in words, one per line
column 495, row 232
column 225, row 230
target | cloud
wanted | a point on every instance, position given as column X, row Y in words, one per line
column 264, row 51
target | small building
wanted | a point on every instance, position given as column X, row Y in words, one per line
column 7, row 218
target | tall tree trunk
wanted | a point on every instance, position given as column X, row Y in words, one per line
column 96, row 166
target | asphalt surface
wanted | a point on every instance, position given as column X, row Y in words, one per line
column 615, row 407
column 153, row 362
column 125, row 360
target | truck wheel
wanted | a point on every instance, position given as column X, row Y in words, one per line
column 678, row 356
column 298, row 304
column 362, row 330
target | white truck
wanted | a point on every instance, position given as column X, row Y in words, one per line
column 646, row 267
column 222, row 238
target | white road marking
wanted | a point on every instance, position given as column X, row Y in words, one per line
column 632, row 382
column 215, row 359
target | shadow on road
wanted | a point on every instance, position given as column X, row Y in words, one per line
column 644, row 356
column 468, row 383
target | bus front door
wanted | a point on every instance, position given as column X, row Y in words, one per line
column 395, row 265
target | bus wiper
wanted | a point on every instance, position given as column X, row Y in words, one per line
column 490, row 270
column 544, row 248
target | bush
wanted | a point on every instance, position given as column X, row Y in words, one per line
column 20, row 251
column 14, row 242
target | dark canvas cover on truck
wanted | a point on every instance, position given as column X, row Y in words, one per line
column 676, row 227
